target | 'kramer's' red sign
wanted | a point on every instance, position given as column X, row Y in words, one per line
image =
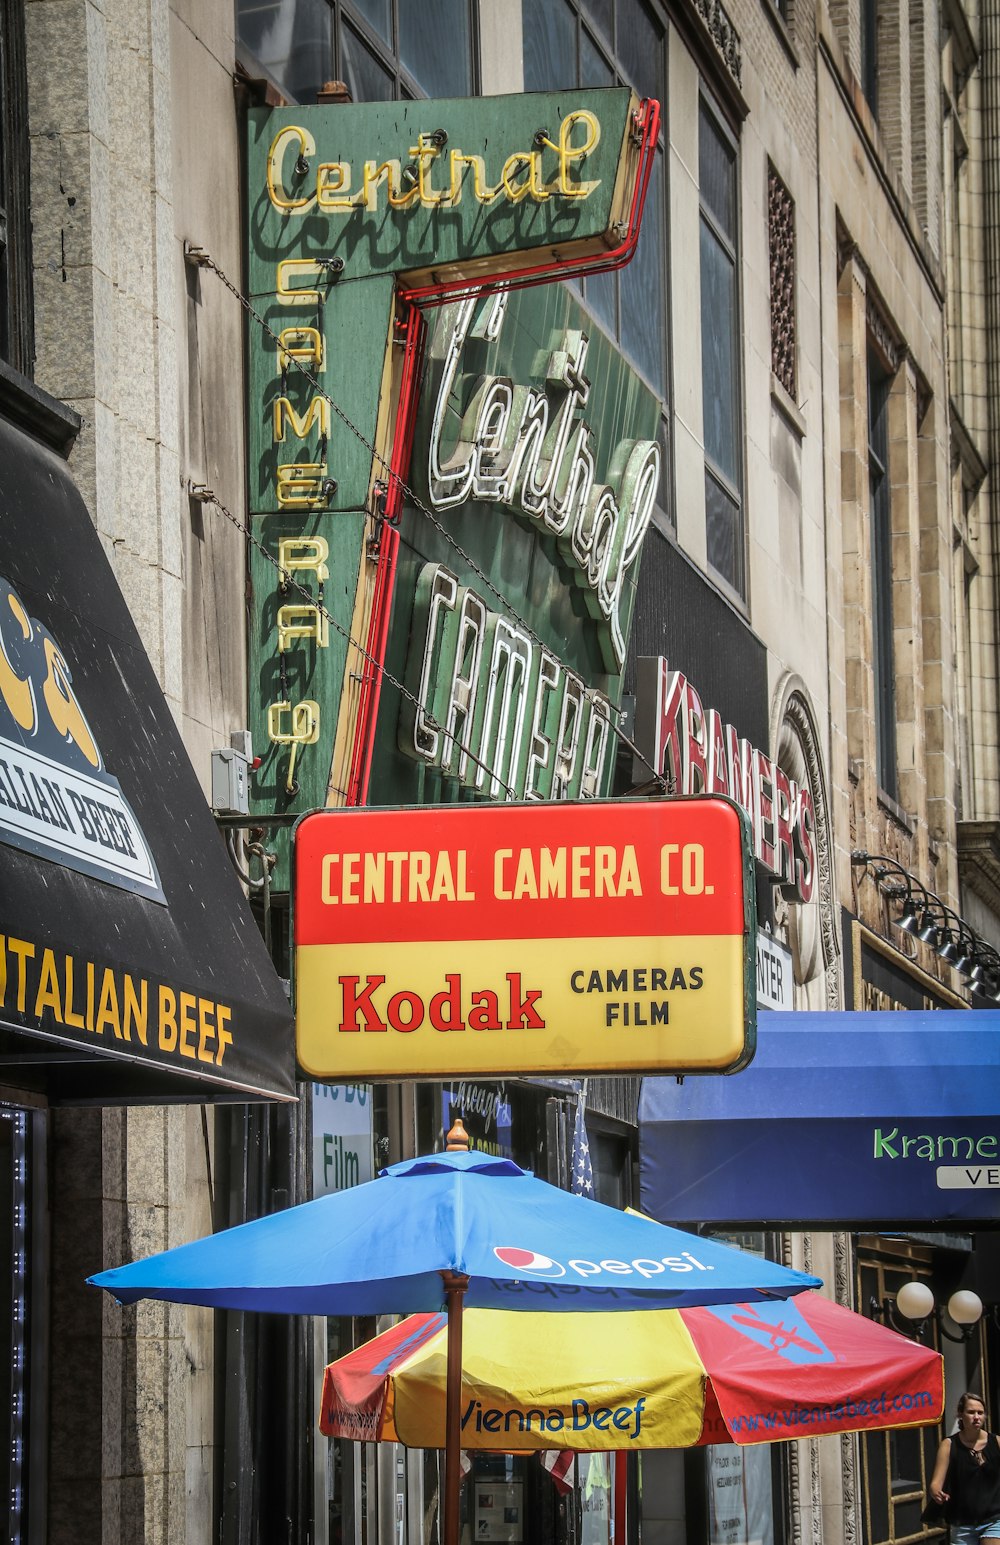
column 492, row 939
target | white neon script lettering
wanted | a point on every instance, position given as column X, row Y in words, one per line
column 527, row 447
column 497, row 711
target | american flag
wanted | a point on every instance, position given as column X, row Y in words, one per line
column 559, row 1464
column 582, row 1176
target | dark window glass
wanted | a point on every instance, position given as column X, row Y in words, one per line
column 367, row 80
column 378, row 14
column 722, row 397
column 602, row 298
column 594, row 67
column 435, row 45
column 717, row 175
column 4, row 306
column 879, row 384
column 549, row 33
column 601, row 13
column 640, row 50
column 382, row 51
column 14, row 1327
column 718, row 353
column 724, row 533
column 612, row 1167
column 869, row 53
column 643, row 298
column 291, row 38
column 16, row 323
column 567, row 45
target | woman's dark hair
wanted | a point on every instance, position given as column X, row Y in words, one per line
column 963, row 1400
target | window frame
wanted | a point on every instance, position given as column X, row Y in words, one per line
column 879, row 381
column 868, row 53
column 346, row 16
column 730, row 246
column 17, row 327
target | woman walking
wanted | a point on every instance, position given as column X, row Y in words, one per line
column 966, row 1477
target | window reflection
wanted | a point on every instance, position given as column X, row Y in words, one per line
column 382, row 51
column 722, row 397
column 378, row 13
column 366, row 79
column 435, row 45
column 569, row 43
column 643, row 298
column 291, row 38
column 549, row 32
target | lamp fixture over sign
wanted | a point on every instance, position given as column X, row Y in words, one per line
column 925, row 917
column 911, row 1311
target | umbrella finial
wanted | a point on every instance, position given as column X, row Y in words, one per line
column 458, row 1137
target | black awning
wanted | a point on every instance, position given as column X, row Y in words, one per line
column 131, row 968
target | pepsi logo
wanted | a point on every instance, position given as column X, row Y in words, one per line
column 529, row 1260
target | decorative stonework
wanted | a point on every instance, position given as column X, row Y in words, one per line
column 816, row 1495
column 781, row 253
column 883, row 334
column 804, row 1491
column 798, row 748
column 842, row 1269
column 724, row 35
column 849, row 1482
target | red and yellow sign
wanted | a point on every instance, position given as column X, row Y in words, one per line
column 542, row 938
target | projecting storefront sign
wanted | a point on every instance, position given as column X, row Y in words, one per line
column 523, row 939
column 774, row 974
column 698, row 753
column 356, row 215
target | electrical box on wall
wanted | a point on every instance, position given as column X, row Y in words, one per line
column 231, row 775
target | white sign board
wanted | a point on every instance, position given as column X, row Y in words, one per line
column 739, row 1495
column 774, row 974
column 342, row 1137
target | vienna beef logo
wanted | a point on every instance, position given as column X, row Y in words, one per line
column 57, row 799
column 454, row 1007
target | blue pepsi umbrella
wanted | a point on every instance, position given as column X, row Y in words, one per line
column 444, row 1228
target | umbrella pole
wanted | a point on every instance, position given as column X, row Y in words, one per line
column 455, row 1285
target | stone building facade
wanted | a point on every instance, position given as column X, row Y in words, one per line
column 816, row 308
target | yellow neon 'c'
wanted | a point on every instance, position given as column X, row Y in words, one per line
column 287, row 268
column 275, row 157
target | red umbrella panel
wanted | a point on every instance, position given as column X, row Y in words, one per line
column 674, row 1378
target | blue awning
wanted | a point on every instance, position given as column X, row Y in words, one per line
column 864, row 1119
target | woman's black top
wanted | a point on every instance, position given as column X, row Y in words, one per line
column 974, row 1488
